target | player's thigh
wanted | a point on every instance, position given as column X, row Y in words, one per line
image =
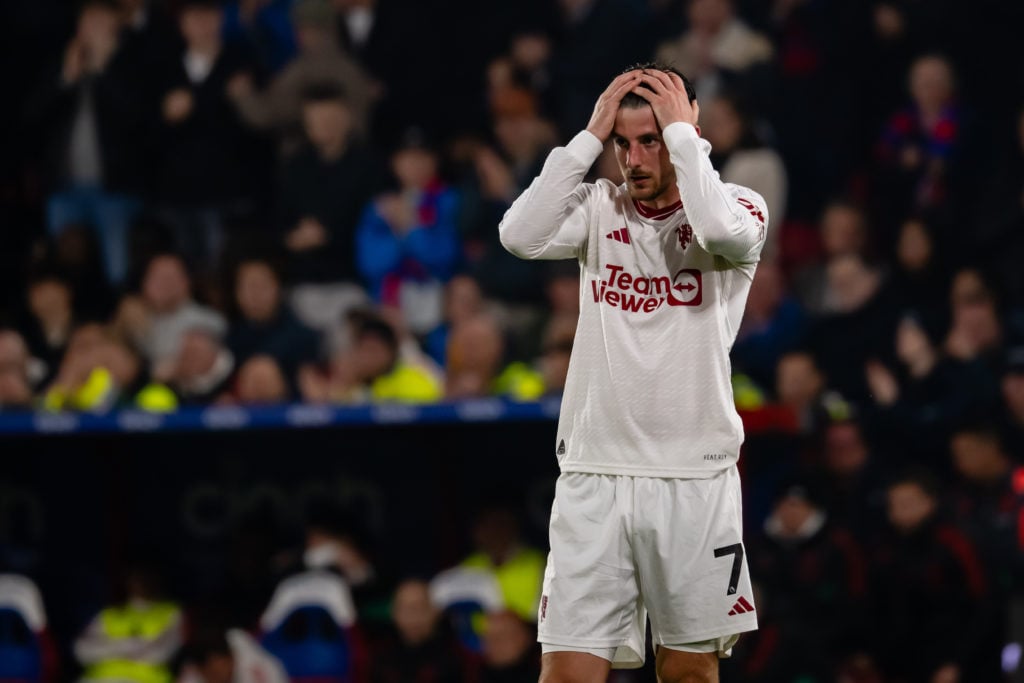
column 692, row 564
column 674, row 666
column 573, row 667
column 591, row 597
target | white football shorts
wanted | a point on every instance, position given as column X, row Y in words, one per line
column 626, row 548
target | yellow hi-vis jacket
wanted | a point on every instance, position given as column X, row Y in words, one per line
column 113, row 632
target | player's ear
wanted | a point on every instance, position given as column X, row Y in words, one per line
column 698, row 130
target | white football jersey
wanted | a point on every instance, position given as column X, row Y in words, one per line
column 649, row 390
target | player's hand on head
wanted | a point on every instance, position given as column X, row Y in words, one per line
column 667, row 96
column 603, row 119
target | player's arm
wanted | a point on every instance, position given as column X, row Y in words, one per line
column 727, row 220
column 548, row 220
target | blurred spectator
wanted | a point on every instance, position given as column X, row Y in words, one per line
column 718, row 48
column 227, row 656
column 842, row 231
column 211, row 168
column 531, row 329
column 99, row 372
column 492, row 175
column 478, row 363
column 773, row 324
column 265, row 322
column 407, row 241
column 156, row 319
column 135, row 638
column 16, row 386
column 859, row 328
column 28, row 649
column 987, row 502
column 918, row 155
column 51, row 318
column 260, row 381
column 474, row 357
column 900, row 31
column 928, row 590
column 277, row 107
column 919, row 275
column 370, row 369
column 204, row 370
column 977, row 325
column 743, row 151
column 323, row 189
column 500, row 548
column 510, row 650
column 526, row 63
column 919, row 402
column 369, row 30
column 462, row 300
column 808, row 569
column 336, row 540
column 850, row 478
column 265, row 26
column 311, row 626
column 801, row 387
column 74, row 256
column 93, row 127
column 421, row 645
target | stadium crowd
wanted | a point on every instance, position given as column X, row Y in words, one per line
column 211, row 202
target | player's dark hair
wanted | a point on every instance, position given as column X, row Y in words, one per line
column 633, row 101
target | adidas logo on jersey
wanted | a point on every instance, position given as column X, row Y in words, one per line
column 620, row 235
column 741, row 607
column 561, row 447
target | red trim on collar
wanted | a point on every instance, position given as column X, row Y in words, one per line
column 657, row 214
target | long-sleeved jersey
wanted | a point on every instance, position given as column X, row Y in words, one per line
column 649, row 389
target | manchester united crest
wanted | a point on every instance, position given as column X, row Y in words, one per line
column 685, row 233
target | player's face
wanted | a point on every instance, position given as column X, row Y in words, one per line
column 643, row 157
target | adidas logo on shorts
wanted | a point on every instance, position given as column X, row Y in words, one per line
column 741, row 607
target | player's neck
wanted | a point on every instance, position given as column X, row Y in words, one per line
column 668, row 198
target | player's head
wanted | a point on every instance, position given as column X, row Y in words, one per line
column 633, row 101
column 639, row 150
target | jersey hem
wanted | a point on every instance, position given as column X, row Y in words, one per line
column 656, row 472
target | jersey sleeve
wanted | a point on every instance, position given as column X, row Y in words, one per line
column 727, row 220
column 549, row 219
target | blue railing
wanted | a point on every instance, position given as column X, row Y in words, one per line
column 296, row 416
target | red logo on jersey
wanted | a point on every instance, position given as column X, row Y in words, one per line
column 685, row 234
column 647, row 294
column 755, row 212
column 620, row 235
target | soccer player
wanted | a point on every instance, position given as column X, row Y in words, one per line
column 646, row 518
